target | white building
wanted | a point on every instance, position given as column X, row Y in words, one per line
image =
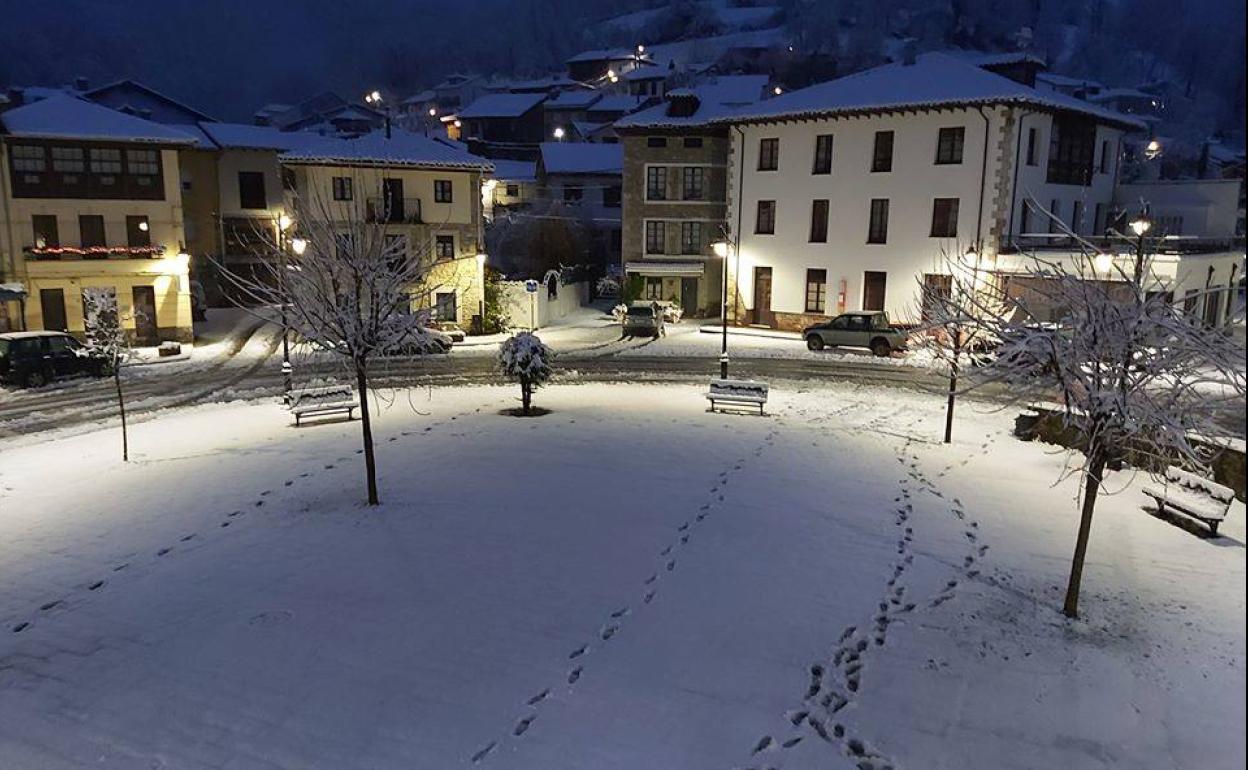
column 843, row 195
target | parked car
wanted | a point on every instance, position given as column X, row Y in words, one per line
column 644, row 319
column 432, row 341
column 866, row 329
column 34, row 359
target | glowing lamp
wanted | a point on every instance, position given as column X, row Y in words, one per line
column 299, row 245
column 720, row 248
column 283, row 223
column 1141, row 225
column 1104, row 262
column 559, row 132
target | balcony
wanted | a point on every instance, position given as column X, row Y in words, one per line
column 50, row 253
column 1169, row 244
column 393, row 211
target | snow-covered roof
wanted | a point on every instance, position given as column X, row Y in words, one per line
column 502, row 105
column 617, row 103
column 582, row 158
column 1065, row 81
column 933, row 80
column 1110, row 94
column 427, row 95
column 525, row 85
column 586, row 128
column 603, row 54
column 68, row 117
column 573, row 100
column 243, row 136
column 133, row 87
column 982, row 59
column 515, row 170
column 646, row 73
column 402, row 148
column 716, row 99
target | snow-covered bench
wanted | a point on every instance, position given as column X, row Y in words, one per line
column 1193, row 495
column 325, row 400
column 740, row 393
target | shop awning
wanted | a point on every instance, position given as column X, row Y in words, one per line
column 11, row 292
column 681, row 269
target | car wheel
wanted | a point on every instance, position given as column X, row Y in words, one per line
column 814, row 342
column 881, row 348
column 36, row 379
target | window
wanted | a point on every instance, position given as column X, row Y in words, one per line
column 444, row 247
column 143, row 162
column 945, row 218
column 513, row 190
column 656, row 183
column 1055, row 211
column 873, row 289
column 611, row 196
column 656, row 141
column 823, row 154
column 690, row 237
column 1098, row 219
column 656, row 237
column 654, row 288
column 768, row 154
column 343, row 188
column 573, row 193
column 445, row 306
column 28, row 158
column 138, row 232
column 46, row 235
column 69, row 160
column 949, row 146
column 819, row 221
column 1105, row 156
column 91, row 230
column 1031, row 147
column 1076, row 217
column 816, row 291
column 765, row 221
column 105, row 161
column 882, row 155
column 442, row 191
column 693, row 142
column 395, row 251
column 1024, row 226
column 1071, row 147
column 877, row 229
column 251, row 190
column 693, row 183
column 937, row 291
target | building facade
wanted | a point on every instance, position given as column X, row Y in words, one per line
column 92, row 198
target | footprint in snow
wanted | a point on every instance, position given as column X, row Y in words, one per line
column 162, row 552
column 608, row 631
column 523, row 725
column 762, row 744
column 539, row 697
column 20, row 627
column 578, row 652
column 575, row 674
column 671, row 565
column 50, row 605
column 188, row 537
column 485, row 750
column 649, row 597
column 96, row 585
column 621, row 612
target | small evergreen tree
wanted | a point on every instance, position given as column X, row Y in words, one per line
column 523, row 357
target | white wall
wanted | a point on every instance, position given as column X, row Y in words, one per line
column 264, row 161
column 1209, row 207
column 523, row 307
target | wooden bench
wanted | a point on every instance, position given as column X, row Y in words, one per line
column 330, row 399
column 739, row 393
column 1194, row 496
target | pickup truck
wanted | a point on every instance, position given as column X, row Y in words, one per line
column 865, row 329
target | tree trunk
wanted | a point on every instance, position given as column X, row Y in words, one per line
column 1092, row 485
column 526, row 395
column 370, row 462
column 121, row 407
column 953, row 387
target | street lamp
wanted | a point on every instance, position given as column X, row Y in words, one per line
column 721, row 250
column 373, row 98
column 481, row 257
column 298, row 245
column 1141, row 225
column 283, row 224
column 559, row 132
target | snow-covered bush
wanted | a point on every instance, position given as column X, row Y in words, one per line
column 619, row 313
column 525, row 358
column 672, row 313
column 607, row 286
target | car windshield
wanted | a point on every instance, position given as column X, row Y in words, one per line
column 4, row 348
column 641, row 311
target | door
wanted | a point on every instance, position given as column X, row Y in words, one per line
column 762, row 297
column 392, row 192
column 689, row 295
column 145, row 315
column 873, row 286
column 53, row 303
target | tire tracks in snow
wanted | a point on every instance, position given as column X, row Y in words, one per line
column 615, row 621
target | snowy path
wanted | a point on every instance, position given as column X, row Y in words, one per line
column 626, row 582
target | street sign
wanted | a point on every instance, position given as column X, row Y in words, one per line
column 530, row 286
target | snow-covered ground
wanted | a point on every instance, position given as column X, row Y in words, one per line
column 626, row 582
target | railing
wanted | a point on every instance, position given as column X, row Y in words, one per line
column 1170, row 244
column 49, row 253
column 394, row 211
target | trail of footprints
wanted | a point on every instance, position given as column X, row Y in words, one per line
column 230, row 518
column 614, row 622
column 835, row 683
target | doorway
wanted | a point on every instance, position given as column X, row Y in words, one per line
column 53, row 303
column 145, row 315
column 689, row 295
column 874, row 284
column 763, row 314
column 392, row 194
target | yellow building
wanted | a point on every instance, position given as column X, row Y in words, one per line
column 425, row 191
column 91, row 197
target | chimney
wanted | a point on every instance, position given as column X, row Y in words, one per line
column 81, row 83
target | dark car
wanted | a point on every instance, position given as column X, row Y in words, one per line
column 33, row 359
column 644, row 319
column 868, row 329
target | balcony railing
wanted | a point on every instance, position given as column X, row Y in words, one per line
column 394, row 211
column 93, row 252
column 1171, row 244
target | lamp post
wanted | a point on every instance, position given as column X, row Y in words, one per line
column 283, row 224
column 721, row 250
column 559, row 133
column 481, row 257
column 1140, row 226
column 373, row 98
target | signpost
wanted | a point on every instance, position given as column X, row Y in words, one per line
column 531, row 287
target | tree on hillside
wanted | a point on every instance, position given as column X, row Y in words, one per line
column 107, row 341
column 1134, row 375
column 346, row 283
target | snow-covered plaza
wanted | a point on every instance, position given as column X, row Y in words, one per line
column 628, row 581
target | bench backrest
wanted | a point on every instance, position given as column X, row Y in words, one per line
column 325, row 394
column 739, row 388
column 1196, row 483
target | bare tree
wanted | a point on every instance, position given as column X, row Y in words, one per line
column 107, row 342
column 346, row 282
column 1130, row 370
